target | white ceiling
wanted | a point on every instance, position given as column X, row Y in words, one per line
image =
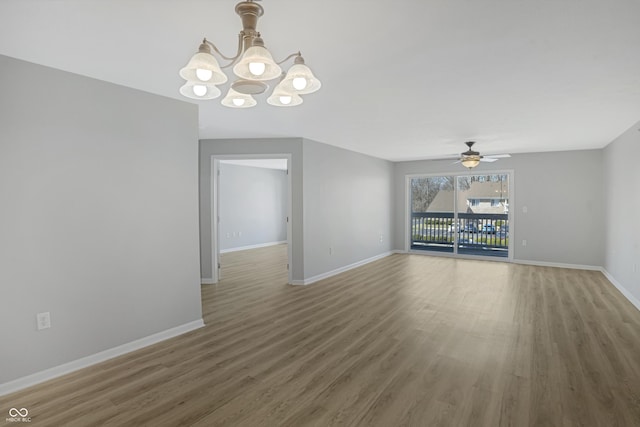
column 402, row 79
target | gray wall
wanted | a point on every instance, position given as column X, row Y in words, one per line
column 622, row 202
column 348, row 202
column 348, row 207
column 253, row 206
column 563, row 195
column 98, row 216
column 211, row 147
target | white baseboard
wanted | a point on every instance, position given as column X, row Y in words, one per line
column 558, row 265
column 244, row 248
column 331, row 273
column 628, row 295
column 48, row 374
column 207, row 281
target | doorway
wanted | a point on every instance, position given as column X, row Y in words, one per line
column 251, row 206
column 462, row 215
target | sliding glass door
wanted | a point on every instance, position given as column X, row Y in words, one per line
column 463, row 214
column 432, row 213
column 483, row 214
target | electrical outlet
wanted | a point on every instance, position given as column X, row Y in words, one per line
column 330, row 251
column 381, row 238
column 239, row 233
column 43, row 320
column 228, row 235
column 524, row 242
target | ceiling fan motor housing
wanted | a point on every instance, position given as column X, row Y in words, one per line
column 470, row 152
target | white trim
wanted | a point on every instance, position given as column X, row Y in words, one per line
column 628, row 295
column 48, row 374
column 259, row 245
column 407, row 213
column 215, row 217
column 558, row 265
column 331, row 273
column 274, row 164
column 215, row 244
column 207, row 281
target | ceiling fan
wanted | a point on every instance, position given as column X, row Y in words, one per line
column 470, row 159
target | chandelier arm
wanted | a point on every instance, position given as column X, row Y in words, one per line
column 289, row 57
column 233, row 59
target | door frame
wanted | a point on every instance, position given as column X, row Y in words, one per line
column 215, row 206
column 407, row 213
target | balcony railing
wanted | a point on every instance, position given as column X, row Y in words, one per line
column 474, row 233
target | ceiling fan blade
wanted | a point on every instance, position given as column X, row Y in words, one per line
column 456, row 162
column 499, row 156
column 488, row 159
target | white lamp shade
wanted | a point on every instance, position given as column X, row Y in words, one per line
column 282, row 98
column 300, row 73
column 201, row 66
column 196, row 90
column 251, row 62
column 235, row 99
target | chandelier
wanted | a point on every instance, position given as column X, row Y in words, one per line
column 253, row 65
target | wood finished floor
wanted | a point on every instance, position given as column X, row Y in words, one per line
column 408, row 340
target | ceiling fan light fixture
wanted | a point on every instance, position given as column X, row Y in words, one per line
column 470, row 159
column 252, row 63
column 470, row 162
